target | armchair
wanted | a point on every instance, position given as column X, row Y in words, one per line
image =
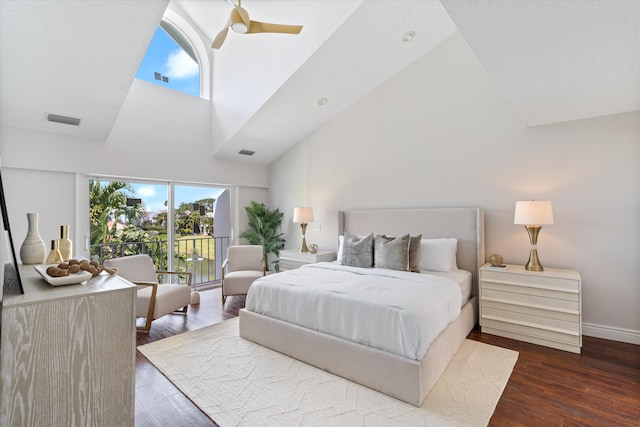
column 243, row 265
column 154, row 300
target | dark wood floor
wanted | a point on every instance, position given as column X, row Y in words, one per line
column 600, row 387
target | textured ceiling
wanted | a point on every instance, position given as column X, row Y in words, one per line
column 71, row 58
column 364, row 51
column 553, row 60
column 557, row 61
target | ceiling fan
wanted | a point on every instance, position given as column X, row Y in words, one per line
column 240, row 22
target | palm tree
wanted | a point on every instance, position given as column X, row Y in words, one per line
column 263, row 230
column 107, row 203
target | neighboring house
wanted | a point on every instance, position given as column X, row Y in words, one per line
column 438, row 132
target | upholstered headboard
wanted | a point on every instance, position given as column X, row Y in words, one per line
column 464, row 224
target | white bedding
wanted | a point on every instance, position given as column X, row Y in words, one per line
column 463, row 278
column 399, row 312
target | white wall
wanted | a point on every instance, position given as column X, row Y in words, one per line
column 439, row 134
column 159, row 134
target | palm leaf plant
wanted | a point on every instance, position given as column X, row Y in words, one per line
column 264, row 224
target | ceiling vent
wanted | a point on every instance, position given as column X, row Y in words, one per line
column 63, row 119
column 246, row 152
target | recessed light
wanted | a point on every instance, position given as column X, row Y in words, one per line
column 322, row 101
column 408, row 36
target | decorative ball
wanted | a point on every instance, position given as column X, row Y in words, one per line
column 313, row 248
column 495, row 259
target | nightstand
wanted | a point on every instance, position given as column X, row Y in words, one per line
column 540, row 307
column 291, row 259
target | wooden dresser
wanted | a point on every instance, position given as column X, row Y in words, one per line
column 68, row 353
column 539, row 307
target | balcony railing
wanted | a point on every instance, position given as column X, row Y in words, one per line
column 201, row 255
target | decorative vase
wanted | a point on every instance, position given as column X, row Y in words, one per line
column 33, row 250
column 65, row 244
column 54, row 257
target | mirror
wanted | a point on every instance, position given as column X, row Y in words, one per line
column 12, row 284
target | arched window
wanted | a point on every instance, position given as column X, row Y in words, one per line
column 174, row 58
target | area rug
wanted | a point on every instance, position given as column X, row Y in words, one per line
column 239, row 383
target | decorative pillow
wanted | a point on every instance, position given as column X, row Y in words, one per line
column 438, row 254
column 391, row 253
column 414, row 253
column 340, row 245
column 357, row 251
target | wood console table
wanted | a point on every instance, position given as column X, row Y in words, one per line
column 68, row 353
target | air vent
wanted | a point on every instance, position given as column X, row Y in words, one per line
column 246, row 152
column 63, row 119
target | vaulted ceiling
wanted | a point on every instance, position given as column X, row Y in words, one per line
column 553, row 61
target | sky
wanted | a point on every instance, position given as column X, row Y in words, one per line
column 154, row 195
column 164, row 56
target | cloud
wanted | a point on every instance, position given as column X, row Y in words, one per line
column 179, row 65
column 146, row 191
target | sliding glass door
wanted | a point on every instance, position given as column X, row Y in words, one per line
column 173, row 223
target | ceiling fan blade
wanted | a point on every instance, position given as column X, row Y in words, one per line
column 217, row 42
column 265, row 27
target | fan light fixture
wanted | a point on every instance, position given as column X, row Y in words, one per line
column 240, row 23
column 236, row 22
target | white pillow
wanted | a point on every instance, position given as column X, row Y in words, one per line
column 438, row 254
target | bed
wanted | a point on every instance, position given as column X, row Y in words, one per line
column 397, row 375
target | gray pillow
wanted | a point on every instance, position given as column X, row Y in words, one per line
column 414, row 252
column 357, row 251
column 392, row 253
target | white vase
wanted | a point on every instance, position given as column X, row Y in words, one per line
column 33, row 250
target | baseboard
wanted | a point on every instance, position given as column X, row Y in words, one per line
column 617, row 334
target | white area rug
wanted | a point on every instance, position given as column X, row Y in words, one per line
column 239, row 383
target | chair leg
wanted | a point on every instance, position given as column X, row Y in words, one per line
column 224, row 298
column 147, row 325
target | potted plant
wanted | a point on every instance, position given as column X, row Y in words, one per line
column 263, row 230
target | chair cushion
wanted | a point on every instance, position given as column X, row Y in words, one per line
column 238, row 282
column 168, row 299
column 135, row 268
column 245, row 257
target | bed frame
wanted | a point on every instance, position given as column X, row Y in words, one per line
column 405, row 379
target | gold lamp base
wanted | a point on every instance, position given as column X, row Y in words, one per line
column 534, row 263
column 304, row 249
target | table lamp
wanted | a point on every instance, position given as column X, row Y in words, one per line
column 303, row 216
column 533, row 215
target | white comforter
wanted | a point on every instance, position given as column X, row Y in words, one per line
column 399, row 312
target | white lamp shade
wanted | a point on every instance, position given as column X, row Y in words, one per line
column 303, row 215
column 534, row 212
